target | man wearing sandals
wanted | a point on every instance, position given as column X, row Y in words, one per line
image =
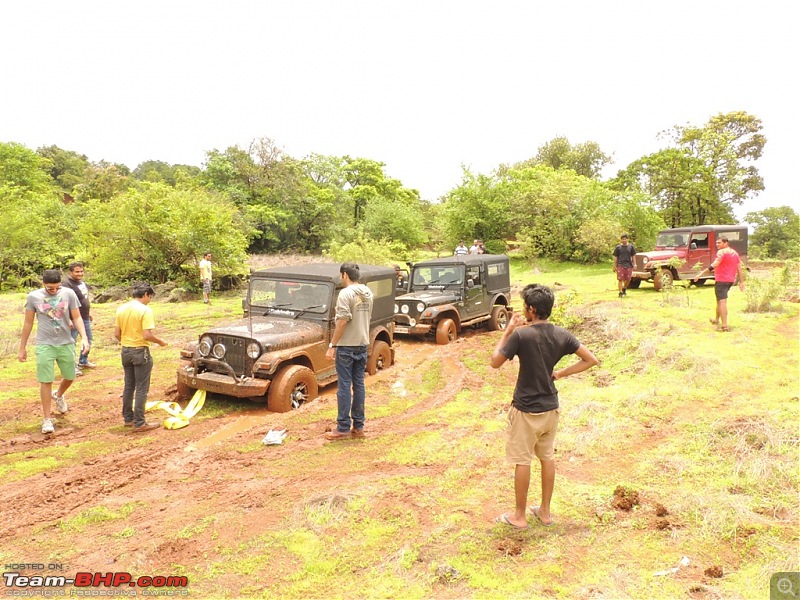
column 533, row 416
column 726, row 267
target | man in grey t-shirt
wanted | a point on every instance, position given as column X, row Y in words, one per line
column 54, row 307
column 349, row 344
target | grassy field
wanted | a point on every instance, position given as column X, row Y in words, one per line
column 681, row 446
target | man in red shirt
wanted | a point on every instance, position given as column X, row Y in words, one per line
column 726, row 267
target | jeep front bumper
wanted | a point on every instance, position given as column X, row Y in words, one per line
column 417, row 329
column 220, row 383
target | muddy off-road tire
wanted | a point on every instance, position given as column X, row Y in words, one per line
column 446, row 332
column 634, row 284
column 293, row 385
column 663, row 279
column 380, row 359
column 499, row 318
column 184, row 391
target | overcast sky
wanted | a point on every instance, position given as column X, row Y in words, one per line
column 424, row 87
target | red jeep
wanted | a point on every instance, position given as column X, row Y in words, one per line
column 695, row 249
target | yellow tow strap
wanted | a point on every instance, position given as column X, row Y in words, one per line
column 180, row 416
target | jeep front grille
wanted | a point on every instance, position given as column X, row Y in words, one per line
column 235, row 353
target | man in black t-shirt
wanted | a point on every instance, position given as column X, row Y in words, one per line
column 533, row 416
column 623, row 264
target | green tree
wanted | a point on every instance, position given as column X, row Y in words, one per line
column 67, row 168
column 681, row 185
column 22, row 170
column 727, row 146
column 776, row 233
column 158, row 233
column 103, row 181
column 585, row 159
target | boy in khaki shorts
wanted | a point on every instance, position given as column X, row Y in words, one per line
column 533, row 416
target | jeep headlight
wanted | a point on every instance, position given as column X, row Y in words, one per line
column 218, row 351
column 420, row 307
column 645, row 260
column 404, row 309
column 253, row 350
column 206, row 343
column 396, row 309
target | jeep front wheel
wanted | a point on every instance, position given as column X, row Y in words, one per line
column 446, row 332
column 293, row 385
column 663, row 279
column 634, row 284
column 499, row 318
column 380, row 359
column 184, row 391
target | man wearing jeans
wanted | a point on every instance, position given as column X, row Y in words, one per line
column 349, row 345
column 135, row 330
column 75, row 282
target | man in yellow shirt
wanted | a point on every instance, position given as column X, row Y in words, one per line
column 205, row 276
column 135, row 329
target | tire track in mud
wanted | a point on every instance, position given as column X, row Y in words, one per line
column 170, row 473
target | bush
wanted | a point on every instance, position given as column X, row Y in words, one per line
column 762, row 293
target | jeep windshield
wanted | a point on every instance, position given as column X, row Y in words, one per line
column 671, row 240
column 436, row 275
column 289, row 297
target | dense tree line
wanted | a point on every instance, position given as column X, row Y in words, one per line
column 155, row 221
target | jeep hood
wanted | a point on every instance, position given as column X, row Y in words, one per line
column 662, row 254
column 429, row 297
column 274, row 333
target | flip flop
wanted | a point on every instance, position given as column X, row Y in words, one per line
column 535, row 511
column 713, row 322
column 503, row 520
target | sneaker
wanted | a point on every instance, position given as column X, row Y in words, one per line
column 625, row 292
column 357, row 433
column 47, row 426
column 128, row 424
column 146, row 427
column 621, row 294
column 61, row 403
column 335, row 434
column 88, row 365
column 78, row 373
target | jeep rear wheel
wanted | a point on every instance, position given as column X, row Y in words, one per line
column 380, row 359
column 663, row 279
column 446, row 332
column 499, row 318
column 293, row 385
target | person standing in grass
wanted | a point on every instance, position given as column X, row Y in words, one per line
column 205, row 276
column 727, row 266
column 54, row 307
column 623, row 264
column 135, row 329
column 533, row 416
column 75, row 282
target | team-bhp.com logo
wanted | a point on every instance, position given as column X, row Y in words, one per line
column 42, row 585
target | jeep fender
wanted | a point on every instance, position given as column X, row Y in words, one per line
column 445, row 311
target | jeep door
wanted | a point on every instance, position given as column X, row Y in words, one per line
column 700, row 252
column 475, row 297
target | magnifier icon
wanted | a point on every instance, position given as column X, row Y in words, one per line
column 785, row 586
